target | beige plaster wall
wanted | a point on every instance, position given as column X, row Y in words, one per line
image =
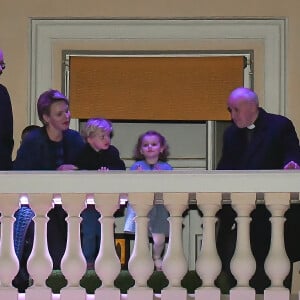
column 15, row 34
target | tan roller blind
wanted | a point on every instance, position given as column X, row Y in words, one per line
column 153, row 88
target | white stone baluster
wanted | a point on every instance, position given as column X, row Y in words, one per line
column 9, row 264
column 277, row 264
column 208, row 264
column 73, row 264
column 140, row 264
column 243, row 263
column 107, row 264
column 39, row 263
column 174, row 264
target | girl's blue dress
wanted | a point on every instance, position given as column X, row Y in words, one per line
column 158, row 215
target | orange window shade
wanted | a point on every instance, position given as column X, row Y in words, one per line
column 153, row 88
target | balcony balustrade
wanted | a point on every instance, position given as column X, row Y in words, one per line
column 209, row 190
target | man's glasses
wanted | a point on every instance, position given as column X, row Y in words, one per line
column 2, row 65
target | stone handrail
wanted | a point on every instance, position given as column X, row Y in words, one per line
column 209, row 189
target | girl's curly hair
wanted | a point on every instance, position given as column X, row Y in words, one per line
column 163, row 156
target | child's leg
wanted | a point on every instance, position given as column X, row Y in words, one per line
column 129, row 226
column 158, row 247
column 90, row 229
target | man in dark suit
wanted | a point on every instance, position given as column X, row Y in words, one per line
column 256, row 140
column 6, row 124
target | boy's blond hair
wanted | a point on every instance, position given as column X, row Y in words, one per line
column 94, row 124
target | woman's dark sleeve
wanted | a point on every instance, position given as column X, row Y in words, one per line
column 28, row 156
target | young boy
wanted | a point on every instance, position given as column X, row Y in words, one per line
column 98, row 154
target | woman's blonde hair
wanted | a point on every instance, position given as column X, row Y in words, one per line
column 45, row 101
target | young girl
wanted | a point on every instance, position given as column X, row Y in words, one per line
column 151, row 153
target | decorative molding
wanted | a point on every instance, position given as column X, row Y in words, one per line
column 44, row 32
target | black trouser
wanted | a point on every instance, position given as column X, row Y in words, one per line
column 57, row 234
column 24, row 236
column 260, row 236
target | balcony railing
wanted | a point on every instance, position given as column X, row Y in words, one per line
column 277, row 188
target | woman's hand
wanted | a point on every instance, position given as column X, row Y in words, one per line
column 67, row 167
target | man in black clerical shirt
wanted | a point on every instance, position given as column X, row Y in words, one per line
column 257, row 140
column 6, row 124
